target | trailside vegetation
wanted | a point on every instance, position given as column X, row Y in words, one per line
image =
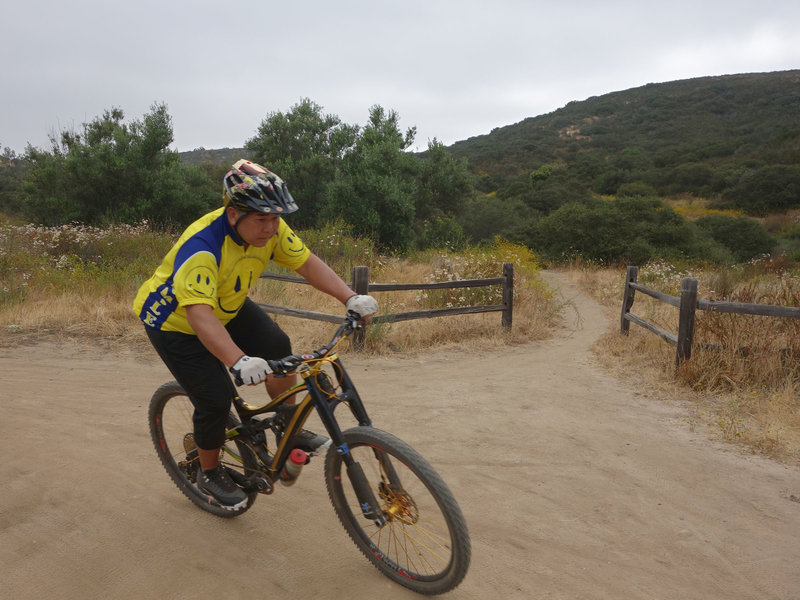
column 603, row 179
column 365, row 176
column 113, row 172
column 78, row 281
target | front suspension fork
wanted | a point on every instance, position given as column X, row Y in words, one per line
column 355, row 473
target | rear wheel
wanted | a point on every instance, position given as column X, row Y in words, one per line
column 424, row 544
column 171, row 427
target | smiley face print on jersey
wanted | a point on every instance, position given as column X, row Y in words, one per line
column 235, row 282
column 201, row 281
column 291, row 244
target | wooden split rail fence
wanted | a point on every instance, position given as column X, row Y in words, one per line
column 688, row 303
column 362, row 285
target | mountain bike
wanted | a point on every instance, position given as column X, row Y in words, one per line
column 397, row 510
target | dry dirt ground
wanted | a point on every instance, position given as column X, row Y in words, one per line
column 573, row 484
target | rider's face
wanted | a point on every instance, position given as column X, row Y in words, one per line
column 255, row 229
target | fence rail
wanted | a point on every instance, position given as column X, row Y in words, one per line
column 688, row 304
column 362, row 285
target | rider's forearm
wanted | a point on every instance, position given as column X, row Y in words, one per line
column 325, row 279
column 212, row 333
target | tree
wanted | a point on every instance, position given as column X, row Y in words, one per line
column 542, row 173
column 114, row 172
column 444, row 183
column 487, row 216
column 365, row 176
column 376, row 190
column 305, row 148
column 555, row 190
column 441, row 232
column 444, row 188
column 12, row 169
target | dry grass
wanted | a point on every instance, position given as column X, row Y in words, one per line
column 108, row 320
column 745, row 389
column 535, row 312
column 105, row 320
column 693, row 208
column 78, row 283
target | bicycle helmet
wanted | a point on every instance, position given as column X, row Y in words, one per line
column 249, row 187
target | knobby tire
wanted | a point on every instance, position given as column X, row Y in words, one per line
column 424, row 544
column 170, row 420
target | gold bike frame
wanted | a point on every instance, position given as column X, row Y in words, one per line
column 308, row 369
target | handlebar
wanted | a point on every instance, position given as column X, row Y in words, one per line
column 288, row 364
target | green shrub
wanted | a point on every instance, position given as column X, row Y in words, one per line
column 627, row 230
column 746, row 238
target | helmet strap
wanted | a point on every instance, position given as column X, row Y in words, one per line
column 239, row 219
column 240, row 215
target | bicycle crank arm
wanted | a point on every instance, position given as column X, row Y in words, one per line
column 258, row 484
column 366, row 499
column 251, row 484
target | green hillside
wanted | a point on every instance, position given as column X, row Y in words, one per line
column 702, row 136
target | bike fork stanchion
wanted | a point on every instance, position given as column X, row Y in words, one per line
column 366, row 498
column 388, row 468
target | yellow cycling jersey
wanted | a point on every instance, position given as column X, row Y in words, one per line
column 210, row 264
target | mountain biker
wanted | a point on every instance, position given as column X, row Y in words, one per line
column 198, row 317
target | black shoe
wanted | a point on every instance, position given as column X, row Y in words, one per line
column 310, row 442
column 218, row 483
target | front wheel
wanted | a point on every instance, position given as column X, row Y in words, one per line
column 171, row 427
column 424, row 544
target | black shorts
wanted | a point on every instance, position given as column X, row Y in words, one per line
column 205, row 379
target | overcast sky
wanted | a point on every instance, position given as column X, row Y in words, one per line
column 452, row 68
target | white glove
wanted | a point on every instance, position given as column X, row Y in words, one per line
column 251, row 369
column 363, row 305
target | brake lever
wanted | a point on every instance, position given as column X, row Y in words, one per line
column 354, row 320
column 282, row 368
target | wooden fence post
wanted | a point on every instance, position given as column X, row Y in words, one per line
column 360, row 286
column 688, row 307
column 508, row 294
column 627, row 298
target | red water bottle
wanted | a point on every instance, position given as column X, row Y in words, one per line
column 291, row 468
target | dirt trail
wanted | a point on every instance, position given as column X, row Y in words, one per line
column 573, row 486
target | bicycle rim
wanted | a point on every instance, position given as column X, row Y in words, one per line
column 171, row 428
column 424, row 544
